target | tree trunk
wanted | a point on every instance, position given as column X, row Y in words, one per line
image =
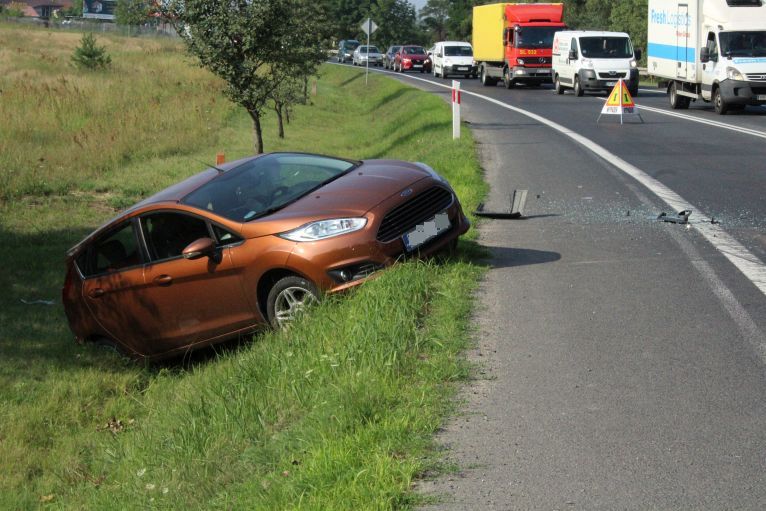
column 287, row 114
column 255, row 115
column 280, row 125
column 306, row 88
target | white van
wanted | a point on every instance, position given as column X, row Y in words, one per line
column 594, row 61
column 452, row 58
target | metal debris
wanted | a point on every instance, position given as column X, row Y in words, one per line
column 515, row 212
column 682, row 217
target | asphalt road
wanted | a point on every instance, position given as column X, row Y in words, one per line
column 622, row 359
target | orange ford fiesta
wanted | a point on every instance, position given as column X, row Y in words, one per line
column 251, row 243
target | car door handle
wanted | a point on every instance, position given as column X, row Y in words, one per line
column 96, row 293
column 163, row 280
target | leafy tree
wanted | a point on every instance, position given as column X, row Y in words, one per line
column 75, row 10
column 12, row 10
column 90, row 56
column 131, row 12
column 251, row 44
column 434, row 16
column 397, row 23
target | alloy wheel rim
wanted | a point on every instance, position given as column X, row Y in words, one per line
column 290, row 302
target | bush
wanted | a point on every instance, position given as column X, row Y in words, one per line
column 90, row 56
column 12, row 10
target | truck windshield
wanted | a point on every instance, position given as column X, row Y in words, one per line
column 606, row 47
column 743, row 44
column 535, row 37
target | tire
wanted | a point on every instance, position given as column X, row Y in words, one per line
column 677, row 102
column 486, row 80
column 507, row 81
column 578, row 88
column 288, row 298
column 557, row 88
column 467, row 76
column 634, row 91
column 718, row 103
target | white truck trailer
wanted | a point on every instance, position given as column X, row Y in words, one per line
column 711, row 50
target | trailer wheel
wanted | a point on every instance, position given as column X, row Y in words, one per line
column 720, row 106
column 677, row 102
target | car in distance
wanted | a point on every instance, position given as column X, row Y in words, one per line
column 365, row 53
column 412, row 58
column 451, row 58
column 346, row 50
column 390, row 56
column 250, row 243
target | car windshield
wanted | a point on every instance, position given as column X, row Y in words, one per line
column 458, row 51
column 266, row 184
column 351, row 45
column 368, row 49
column 535, row 37
column 394, row 49
column 413, row 50
column 606, row 47
column 743, row 44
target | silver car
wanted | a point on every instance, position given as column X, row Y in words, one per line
column 365, row 53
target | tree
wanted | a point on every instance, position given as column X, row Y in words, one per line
column 251, row 44
column 434, row 16
column 89, row 55
column 131, row 12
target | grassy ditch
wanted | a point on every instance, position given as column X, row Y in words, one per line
column 336, row 413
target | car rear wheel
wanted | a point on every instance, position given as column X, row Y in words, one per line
column 289, row 297
column 677, row 102
column 720, row 105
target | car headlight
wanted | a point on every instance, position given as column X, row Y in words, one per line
column 587, row 64
column 633, row 64
column 324, row 229
column 520, row 61
column 734, row 74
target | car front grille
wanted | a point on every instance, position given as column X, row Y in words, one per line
column 610, row 76
column 756, row 77
column 417, row 210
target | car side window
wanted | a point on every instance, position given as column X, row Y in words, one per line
column 167, row 234
column 115, row 251
column 224, row 237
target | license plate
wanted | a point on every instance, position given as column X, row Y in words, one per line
column 544, row 72
column 611, row 84
column 462, row 68
column 416, row 66
column 761, row 97
column 426, row 231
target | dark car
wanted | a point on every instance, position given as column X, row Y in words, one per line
column 389, row 56
column 346, row 50
column 235, row 248
column 412, row 58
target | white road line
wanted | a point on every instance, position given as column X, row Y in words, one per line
column 750, row 266
column 717, row 124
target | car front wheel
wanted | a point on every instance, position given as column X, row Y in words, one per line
column 289, row 297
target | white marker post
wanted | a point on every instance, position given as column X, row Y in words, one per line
column 455, row 109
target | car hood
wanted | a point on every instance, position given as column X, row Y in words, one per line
column 351, row 195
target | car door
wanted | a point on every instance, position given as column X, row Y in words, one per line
column 190, row 300
column 710, row 68
column 439, row 59
column 114, row 278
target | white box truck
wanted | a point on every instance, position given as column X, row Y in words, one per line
column 713, row 50
column 594, row 61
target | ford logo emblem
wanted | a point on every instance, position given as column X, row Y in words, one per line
column 406, row 193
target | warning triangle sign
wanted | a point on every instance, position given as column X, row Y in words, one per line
column 620, row 102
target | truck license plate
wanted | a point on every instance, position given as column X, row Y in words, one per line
column 426, row 231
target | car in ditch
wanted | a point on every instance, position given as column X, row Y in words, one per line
column 250, row 243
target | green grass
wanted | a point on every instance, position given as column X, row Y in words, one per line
column 336, row 413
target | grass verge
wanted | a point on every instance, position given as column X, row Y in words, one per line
column 336, row 413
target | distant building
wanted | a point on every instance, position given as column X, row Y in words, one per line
column 39, row 8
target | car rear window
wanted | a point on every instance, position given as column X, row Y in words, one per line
column 266, row 184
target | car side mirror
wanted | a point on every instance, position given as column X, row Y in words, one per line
column 199, row 248
column 704, row 54
column 572, row 54
column 638, row 53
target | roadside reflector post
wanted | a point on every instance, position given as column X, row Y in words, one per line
column 517, row 202
column 455, row 109
column 220, row 159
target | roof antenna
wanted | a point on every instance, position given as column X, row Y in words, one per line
column 219, row 169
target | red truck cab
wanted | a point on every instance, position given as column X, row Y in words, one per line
column 513, row 42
